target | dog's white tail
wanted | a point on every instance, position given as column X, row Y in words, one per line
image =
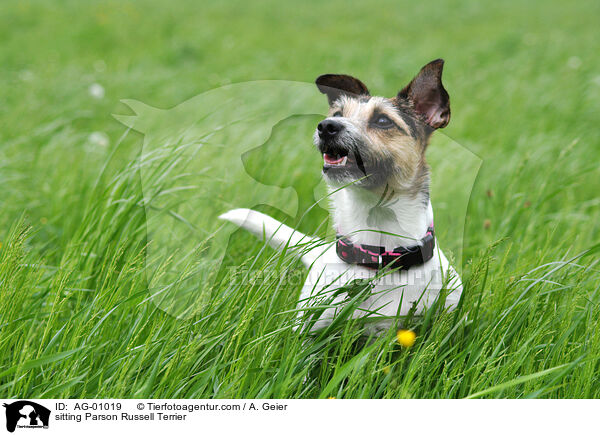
column 277, row 235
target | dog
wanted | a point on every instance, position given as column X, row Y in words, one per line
column 374, row 164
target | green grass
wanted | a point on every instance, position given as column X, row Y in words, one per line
column 76, row 319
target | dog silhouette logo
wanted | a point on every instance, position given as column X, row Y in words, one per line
column 26, row 414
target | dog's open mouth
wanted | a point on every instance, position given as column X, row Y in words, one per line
column 334, row 160
column 342, row 163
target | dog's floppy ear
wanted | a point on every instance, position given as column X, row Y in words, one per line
column 428, row 96
column 335, row 85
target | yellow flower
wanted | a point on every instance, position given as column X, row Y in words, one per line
column 406, row 338
column 386, row 370
column 331, row 397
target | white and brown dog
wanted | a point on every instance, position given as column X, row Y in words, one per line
column 374, row 163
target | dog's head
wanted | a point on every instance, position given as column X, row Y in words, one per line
column 377, row 141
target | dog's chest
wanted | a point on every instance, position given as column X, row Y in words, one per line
column 390, row 224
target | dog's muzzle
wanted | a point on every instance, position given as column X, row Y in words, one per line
column 346, row 155
column 335, row 144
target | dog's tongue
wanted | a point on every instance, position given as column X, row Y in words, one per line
column 333, row 160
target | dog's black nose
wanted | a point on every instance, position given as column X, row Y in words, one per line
column 329, row 128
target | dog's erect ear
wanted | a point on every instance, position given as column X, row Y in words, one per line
column 428, row 96
column 335, row 85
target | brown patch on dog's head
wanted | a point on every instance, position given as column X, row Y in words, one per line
column 384, row 139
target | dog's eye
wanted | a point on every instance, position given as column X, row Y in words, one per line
column 338, row 113
column 382, row 121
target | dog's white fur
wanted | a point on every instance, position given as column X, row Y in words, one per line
column 393, row 293
column 352, row 206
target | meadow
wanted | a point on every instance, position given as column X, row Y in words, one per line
column 78, row 317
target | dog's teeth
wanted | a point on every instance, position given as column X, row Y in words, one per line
column 335, row 160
